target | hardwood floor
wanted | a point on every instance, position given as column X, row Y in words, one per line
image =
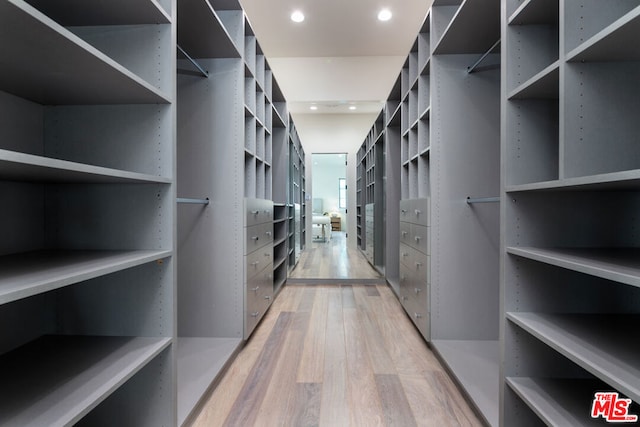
column 333, row 260
column 336, row 355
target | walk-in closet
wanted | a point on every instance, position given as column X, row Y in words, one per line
column 167, row 259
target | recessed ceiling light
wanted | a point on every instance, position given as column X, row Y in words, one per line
column 384, row 15
column 297, row 16
column 313, row 107
column 352, row 107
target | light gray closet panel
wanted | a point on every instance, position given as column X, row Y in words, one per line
column 129, row 137
column 468, row 165
column 210, row 110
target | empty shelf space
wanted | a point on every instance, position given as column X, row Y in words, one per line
column 617, row 264
column 545, row 84
column 617, row 42
column 626, row 180
column 86, row 76
column 201, row 33
column 27, row 167
column 31, row 273
column 200, row 360
column 474, row 28
column 113, row 12
column 56, row 380
column 532, row 12
column 475, row 365
column 279, row 262
column 559, row 402
column 602, row 344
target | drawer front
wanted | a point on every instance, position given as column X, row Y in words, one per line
column 258, row 298
column 258, row 236
column 416, row 211
column 414, row 297
column 420, row 238
column 405, row 233
column 406, row 255
column 258, row 211
column 257, row 261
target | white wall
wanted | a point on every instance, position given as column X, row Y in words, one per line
column 334, row 133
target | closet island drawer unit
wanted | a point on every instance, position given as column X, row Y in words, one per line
column 415, row 262
column 258, row 262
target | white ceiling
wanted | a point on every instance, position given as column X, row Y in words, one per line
column 341, row 55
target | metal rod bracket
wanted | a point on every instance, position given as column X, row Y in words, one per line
column 193, row 201
column 194, row 62
column 471, row 200
column 482, row 58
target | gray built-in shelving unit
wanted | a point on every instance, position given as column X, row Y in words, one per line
column 465, row 187
column 87, row 170
column 443, row 117
column 233, row 142
column 297, row 196
column 571, row 311
column 377, row 195
column 280, row 185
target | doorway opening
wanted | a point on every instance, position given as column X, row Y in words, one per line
column 329, row 256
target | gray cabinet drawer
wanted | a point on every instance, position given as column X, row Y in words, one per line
column 416, row 211
column 405, row 233
column 258, row 297
column 258, row 236
column 256, row 261
column 415, row 263
column 258, row 211
column 420, row 238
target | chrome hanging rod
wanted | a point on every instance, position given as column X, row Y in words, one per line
column 193, row 201
column 193, row 61
column 479, row 61
column 471, row 200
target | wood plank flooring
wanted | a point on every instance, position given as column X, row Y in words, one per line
column 333, row 260
column 336, row 355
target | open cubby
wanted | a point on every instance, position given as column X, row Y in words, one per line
column 601, row 107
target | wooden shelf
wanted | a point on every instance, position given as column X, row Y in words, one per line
column 56, row 380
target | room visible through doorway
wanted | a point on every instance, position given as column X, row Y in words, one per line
column 329, row 256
